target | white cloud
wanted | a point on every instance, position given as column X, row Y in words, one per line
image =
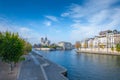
column 29, row 34
column 92, row 17
column 74, row 11
column 48, row 23
column 24, row 29
column 88, row 9
column 65, row 14
column 53, row 18
column 24, row 32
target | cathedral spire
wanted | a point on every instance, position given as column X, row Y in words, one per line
column 46, row 38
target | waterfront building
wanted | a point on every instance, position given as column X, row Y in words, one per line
column 45, row 41
column 116, row 38
column 90, row 43
column 105, row 39
column 65, row 45
column 53, row 44
column 105, row 32
column 84, row 43
column 111, row 39
column 95, row 41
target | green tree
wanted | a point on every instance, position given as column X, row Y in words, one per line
column 27, row 47
column 11, row 48
column 112, row 48
column 102, row 46
column 118, row 47
column 0, row 42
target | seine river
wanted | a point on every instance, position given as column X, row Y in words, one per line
column 84, row 66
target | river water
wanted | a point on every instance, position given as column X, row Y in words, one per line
column 83, row 66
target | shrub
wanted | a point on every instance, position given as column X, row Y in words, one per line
column 118, row 47
column 112, row 48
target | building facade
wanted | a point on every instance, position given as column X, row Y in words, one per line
column 45, row 41
column 105, row 39
column 65, row 45
column 90, row 43
column 84, row 43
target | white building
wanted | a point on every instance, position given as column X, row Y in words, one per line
column 65, row 45
column 84, row 43
column 90, row 43
column 103, row 40
column 95, row 42
column 117, row 38
column 106, row 39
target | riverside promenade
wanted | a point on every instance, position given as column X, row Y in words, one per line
column 98, row 51
column 35, row 67
column 6, row 74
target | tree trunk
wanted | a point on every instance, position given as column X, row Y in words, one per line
column 11, row 66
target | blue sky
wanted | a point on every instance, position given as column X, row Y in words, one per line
column 59, row 20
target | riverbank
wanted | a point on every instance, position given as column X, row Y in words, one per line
column 37, row 67
column 44, row 49
column 98, row 51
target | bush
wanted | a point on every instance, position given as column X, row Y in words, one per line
column 118, row 47
column 112, row 48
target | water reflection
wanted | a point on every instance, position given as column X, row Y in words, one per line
column 86, row 66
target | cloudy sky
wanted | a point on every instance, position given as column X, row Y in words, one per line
column 59, row 20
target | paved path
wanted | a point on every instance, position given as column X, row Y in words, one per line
column 31, row 70
column 38, row 68
column 5, row 71
column 54, row 72
column 98, row 51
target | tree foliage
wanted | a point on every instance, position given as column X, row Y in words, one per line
column 27, row 47
column 77, row 45
column 102, row 46
column 12, row 47
column 112, row 48
column 85, row 45
column 118, row 47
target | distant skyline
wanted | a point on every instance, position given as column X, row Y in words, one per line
column 59, row 20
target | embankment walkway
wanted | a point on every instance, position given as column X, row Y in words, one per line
column 35, row 67
column 98, row 51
